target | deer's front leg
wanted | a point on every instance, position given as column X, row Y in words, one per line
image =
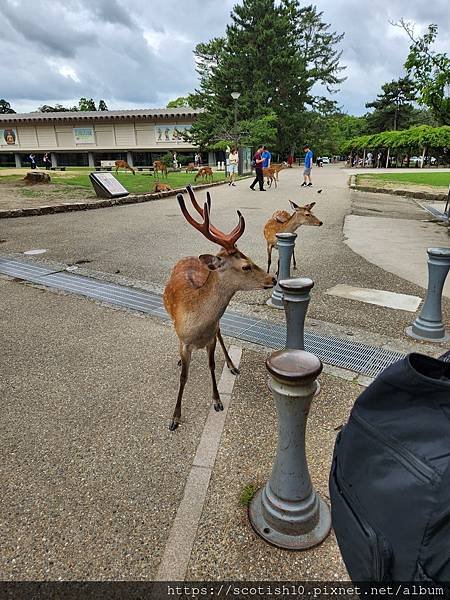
column 230, row 364
column 185, row 353
column 211, row 348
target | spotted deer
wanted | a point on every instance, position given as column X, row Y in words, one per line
column 200, row 289
column 283, row 222
column 122, row 164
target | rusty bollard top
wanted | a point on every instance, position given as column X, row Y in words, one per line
column 301, row 284
column 294, row 367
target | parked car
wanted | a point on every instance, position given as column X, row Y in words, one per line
column 325, row 160
column 416, row 161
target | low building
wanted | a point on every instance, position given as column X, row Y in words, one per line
column 87, row 138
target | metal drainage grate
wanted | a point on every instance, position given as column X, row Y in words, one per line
column 442, row 216
column 346, row 354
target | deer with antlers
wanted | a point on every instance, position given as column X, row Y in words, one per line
column 122, row 164
column 281, row 221
column 159, row 165
column 199, row 290
column 204, row 173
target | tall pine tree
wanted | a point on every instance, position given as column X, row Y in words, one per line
column 273, row 53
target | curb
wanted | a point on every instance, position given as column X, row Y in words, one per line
column 400, row 192
column 105, row 203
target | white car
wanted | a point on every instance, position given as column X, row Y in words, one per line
column 325, row 160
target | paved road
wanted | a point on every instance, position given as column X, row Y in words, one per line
column 143, row 241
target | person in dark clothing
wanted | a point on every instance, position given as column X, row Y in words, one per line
column 258, row 162
column 47, row 162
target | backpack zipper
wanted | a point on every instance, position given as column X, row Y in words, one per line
column 407, row 458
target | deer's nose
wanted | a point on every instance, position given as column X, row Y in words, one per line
column 274, row 281
column 320, row 223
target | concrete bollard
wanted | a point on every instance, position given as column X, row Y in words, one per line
column 296, row 300
column 428, row 325
column 285, row 245
column 287, row 512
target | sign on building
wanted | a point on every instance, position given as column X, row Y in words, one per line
column 84, row 135
column 107, row 186
column 8, row 137
column 170, row 133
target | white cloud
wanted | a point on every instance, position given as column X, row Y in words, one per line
column 135, row 56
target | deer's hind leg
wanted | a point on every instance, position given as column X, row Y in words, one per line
column 228, row 360
column 269, row 255
column 211, row 348
column 185, row 353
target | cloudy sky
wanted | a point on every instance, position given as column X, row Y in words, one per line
column 138, row 53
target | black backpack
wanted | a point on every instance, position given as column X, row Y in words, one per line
column 390, row 477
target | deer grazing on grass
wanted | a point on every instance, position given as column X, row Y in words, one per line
column 199, row 290
column 122, row 164
column 161, row 187
column 272, row 173
column 204, row 173
column 283, row 222
column 158, row 165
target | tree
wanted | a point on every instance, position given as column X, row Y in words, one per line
column 430, row 71
column 5, row 108
column 84, row 104
column 273, row 53
column 181, row 102
column 102, row 105
column 56, row 108
column 393, row 107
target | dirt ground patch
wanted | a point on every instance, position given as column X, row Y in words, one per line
column 19, row 195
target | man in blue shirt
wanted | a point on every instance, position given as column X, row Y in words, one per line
column 267, row 157
column 308, row 165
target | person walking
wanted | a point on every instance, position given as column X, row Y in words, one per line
column 308, row 166
column 32, row 158
column 267, row 157
column 47, row 162
column 233, row 161
column 290, row 160
column 258, row 161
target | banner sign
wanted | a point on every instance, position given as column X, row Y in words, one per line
column 170, row 133
column 8, row 137
column 84, row 135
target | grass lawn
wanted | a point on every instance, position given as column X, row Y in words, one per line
column 432, row 179
column 139, row 183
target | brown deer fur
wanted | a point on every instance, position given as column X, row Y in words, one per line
column 122, row 164
column 272, row 173
column 162, row 187
column 204, row 173
column 158, row 165
column 281, row 221
column 199, row 290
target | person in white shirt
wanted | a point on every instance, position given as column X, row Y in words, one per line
column 233, row 166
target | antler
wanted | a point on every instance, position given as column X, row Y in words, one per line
column 200, row 212
column 227, row 241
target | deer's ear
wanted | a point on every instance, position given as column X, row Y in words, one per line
column 293, row 205
column 211, row 261
column 310, row 206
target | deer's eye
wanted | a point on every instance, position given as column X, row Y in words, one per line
column 247, row 268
